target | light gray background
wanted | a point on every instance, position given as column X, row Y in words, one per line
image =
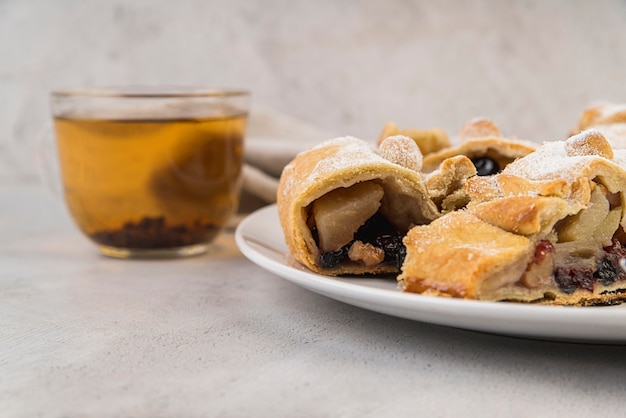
column 346, row 67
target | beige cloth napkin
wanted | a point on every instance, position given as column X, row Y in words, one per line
column 272, row 140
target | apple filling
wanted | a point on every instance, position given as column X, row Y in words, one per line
column 584, row 249
column 349, row 226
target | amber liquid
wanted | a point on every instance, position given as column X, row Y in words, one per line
column 151, row 183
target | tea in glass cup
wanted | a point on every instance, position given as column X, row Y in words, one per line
column 150, row 171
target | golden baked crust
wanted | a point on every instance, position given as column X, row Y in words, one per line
column 446, row 185
column 575, row 162
column 549, row 229
column 615, row 133
column 607, row 118
column 326, row 177
column 602, row 113
column 459, row 255
column 524, row 214
column 428, row 140
column 479, row 128
column 481, row 138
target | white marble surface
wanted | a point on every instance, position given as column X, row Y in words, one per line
column 86, row 336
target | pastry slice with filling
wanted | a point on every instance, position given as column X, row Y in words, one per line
column 549, row 229
column 344, row 206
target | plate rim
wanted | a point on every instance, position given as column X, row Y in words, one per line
column 421, row 308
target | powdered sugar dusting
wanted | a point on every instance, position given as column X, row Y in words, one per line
column 550, row 162
column 342, row 153
column 350, row 152
column 615, row 133
column 402, row 150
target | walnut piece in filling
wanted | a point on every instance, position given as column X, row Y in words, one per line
column 366, row 253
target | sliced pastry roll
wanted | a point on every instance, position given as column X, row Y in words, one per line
column 345, row 206
column 549, row 228
column 482, row 142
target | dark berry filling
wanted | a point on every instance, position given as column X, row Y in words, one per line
column 394, row 248
column 571, row 278
column 377, row 231
column 486, row 166
column 332, row 259
column 616, row 253
column 608, row 270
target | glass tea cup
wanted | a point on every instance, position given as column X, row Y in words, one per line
column 150, row 171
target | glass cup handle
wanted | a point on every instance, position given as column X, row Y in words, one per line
column 48, row 161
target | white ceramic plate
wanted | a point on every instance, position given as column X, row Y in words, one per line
column 260, row 238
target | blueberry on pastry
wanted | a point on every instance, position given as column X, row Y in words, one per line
column 548, row 229
column 482, row 142
column 345, row 206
